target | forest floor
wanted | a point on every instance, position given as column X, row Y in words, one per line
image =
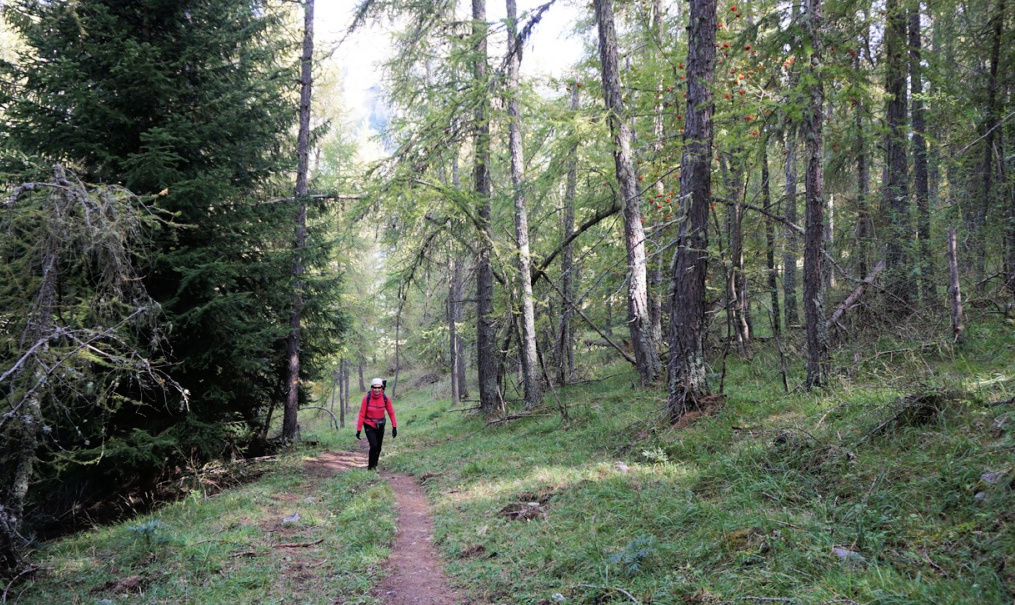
column 415, row 575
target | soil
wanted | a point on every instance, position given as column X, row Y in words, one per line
column 415, row 576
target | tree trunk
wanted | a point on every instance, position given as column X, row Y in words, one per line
column 486, row 331
column 792, row 250
column 289, row 418
column 954, row 291
column 527, row 319
column 813, row 128
column 638, row 318
column 657, row 29
column 736, row 280
column 829, row 243
column 687, row 379
column 898, row 284
column 921, row 184
column 990, row 155
column 864, row 230
column 453, row 273
column 565, row 346
column 772, row 268
column 343, row 391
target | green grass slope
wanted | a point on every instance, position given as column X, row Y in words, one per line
column 894, row 485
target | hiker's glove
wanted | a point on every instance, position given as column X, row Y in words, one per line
column 357, row 435
column 394, row 432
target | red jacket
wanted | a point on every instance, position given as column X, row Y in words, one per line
column 371, row 410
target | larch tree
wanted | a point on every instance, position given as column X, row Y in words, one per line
column 527, row 316
column 687, row 376
column 638, row 315
column 814, row 206
column 486, row 331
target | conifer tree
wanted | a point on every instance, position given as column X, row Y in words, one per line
column 193, row 101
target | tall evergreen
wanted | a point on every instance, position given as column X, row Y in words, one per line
column 191, row 101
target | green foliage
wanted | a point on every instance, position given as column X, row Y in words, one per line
column 190, row 106
column 629, row 560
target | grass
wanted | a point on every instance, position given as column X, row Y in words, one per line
column 226, row 548
column 874, row 490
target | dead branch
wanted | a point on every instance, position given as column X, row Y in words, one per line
column 589, row 321
column 299, row 544
column 25, row 572
column 854, row 296
column 515, row 417
column 597, row 218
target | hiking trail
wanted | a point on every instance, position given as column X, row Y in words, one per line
column 414, row 569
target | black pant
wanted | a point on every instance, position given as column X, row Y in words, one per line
column 375, row 437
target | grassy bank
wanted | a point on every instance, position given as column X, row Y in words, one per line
column 894, row 485
column 284, row 538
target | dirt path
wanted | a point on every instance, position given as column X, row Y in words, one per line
column 415, row 577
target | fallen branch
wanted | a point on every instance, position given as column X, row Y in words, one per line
column 591, row 324
column 299, row 544
column 515, row 417
column 855, row 296
column 27, row 571
column 246, row 553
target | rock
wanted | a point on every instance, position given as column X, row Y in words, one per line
column 848, row 555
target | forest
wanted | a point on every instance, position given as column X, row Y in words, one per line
column 201, row 249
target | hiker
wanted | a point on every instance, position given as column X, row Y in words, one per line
column 371, row 414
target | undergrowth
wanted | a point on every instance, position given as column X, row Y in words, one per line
column 893, row 485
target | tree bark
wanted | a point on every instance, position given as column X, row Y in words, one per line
column 289, row 418
column 687, row 377
column 791, row 254
column 899, row 286
column 813, row 128
column 736, row 279
column 453, row 273
column 638, row 317
column 771, row 267
column 527, row 345
column 343, row 390
column 921, row 185
column 565, row 345
column 990, row 154
column 954, row 290
column 486, row 330
column 863, row 230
